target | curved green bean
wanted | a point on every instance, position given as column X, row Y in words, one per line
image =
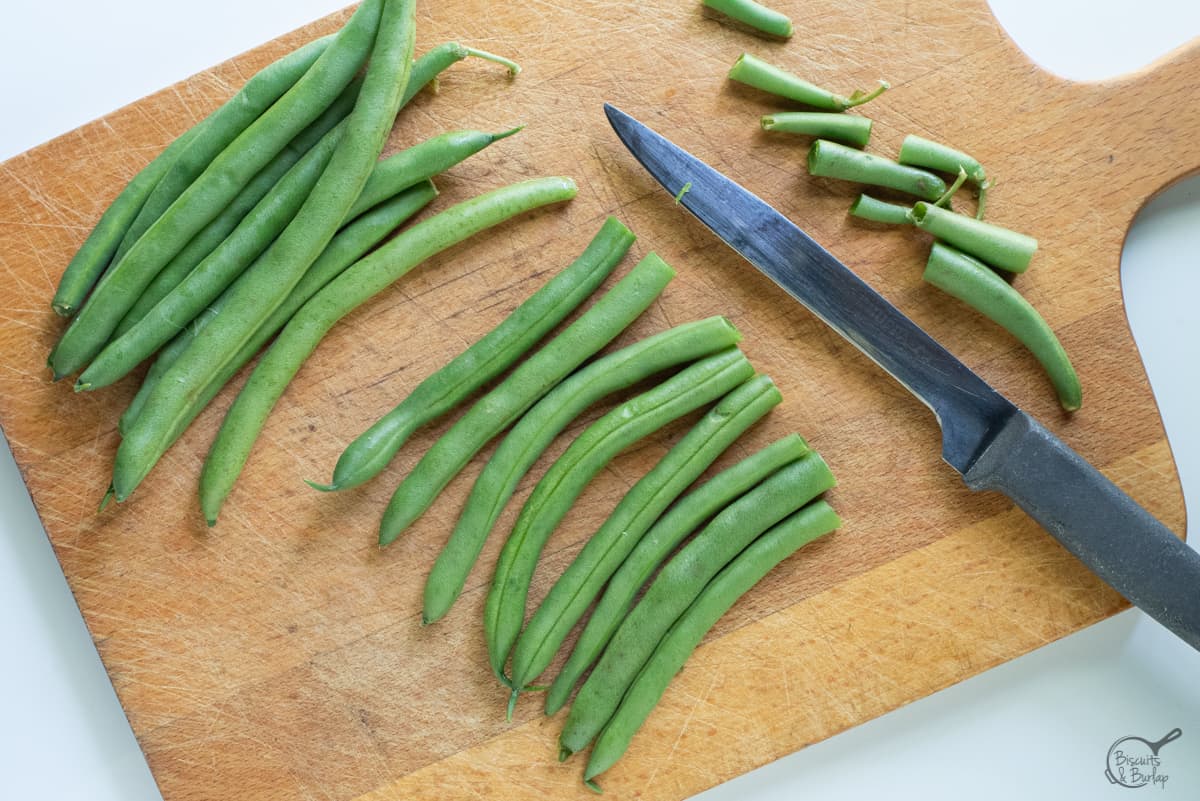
column 869, row 208
column 680, row 520
column 209, row 239
column 975, row 284
column 693, row 387
column 532, row 379
column 607, row 549
column 371, row 451
column 678, row 584
column 536, row 429
column 219, row 129
column 849, row 128
column 350, row 244
column 830, row 160
column 735, row 579
column 920, row 152
column 427, row 68
column 756, row 15
column 755, row 72
column 342, row 295
column 997, row 246
column 265, row 285
column 229, row 172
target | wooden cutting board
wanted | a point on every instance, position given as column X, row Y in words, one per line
column 280, row 654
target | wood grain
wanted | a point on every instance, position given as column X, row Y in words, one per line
column 280, row 655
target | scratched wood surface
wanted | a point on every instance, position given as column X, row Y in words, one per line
column 280, row 654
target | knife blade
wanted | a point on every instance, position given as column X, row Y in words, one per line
column 985, row 437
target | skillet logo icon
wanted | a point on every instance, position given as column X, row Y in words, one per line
column 1134, row 761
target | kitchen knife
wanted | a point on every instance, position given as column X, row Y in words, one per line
column 992, row 443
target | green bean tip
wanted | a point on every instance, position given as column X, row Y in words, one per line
column 513, row 67
column 595, row 788
column 512, row 703
column 564, row 753
column 108, row 496
column 683, row 190
column 322, row 487
column 496, row 137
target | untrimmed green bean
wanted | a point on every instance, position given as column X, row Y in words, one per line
column 96, row 253
column 849, row 128
column 693, row 387
column 341, row 296
column 536, row 429
column 997, row 246
column 755, row 72
column 830, row 160
column 678, row 584
column 223, row 224
column 265, row 285
column 501, row 347
column 975, row 284
column 350, row 244
column 219, row 129
column 680, row 520
column 869, row 208
column 746, row 570
column 532, row 379
column 229, row 172
column 427, row 68
column 756, row 15
column 605, row 551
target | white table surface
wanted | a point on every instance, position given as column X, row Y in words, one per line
column 1038, row 727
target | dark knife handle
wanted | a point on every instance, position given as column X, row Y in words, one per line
column 1102, row 526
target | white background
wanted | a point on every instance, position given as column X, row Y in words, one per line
column 1036, row 728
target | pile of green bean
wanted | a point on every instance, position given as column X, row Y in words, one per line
column 966, row 251
column 260, row 222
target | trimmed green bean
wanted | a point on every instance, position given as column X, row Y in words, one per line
column 755, row 72
column 680, row 520
column 219, row 129
column 756, row 15
column 96, row 253
column 532, row 379
column 735, row 579
column 227, row 221
column 226, row 175
column 678, row 584
column 975, row 284
column 265, row 285
column 693, row 387
column 501, row 347
column 605, row 551
column 350, row 244
column 849, row 128
column 355, row 286
column 1000, row 247
column 917, row 151
column 869, row 208
column 538, row 427
column 830, row 160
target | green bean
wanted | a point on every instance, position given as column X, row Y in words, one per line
column 982, row 289
column 217, row 270
column 756, row 15
column 427, row 68
column 341, row 296
column 830, row 160
column 350, row 244
column 532, row 379
column 223, row 179
column 670, row 530
column 848, row 128
column 209, row 239
column 999, row 247
column 96, row 252
column 693, row 387
column 367, row 455
column 219, row 129
column 604, row 552
column 869, row 208
column 260, row 227
column 678, row 584
column 917, row 151
column 536, row 429
column 755, row 72
column 747, row 569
